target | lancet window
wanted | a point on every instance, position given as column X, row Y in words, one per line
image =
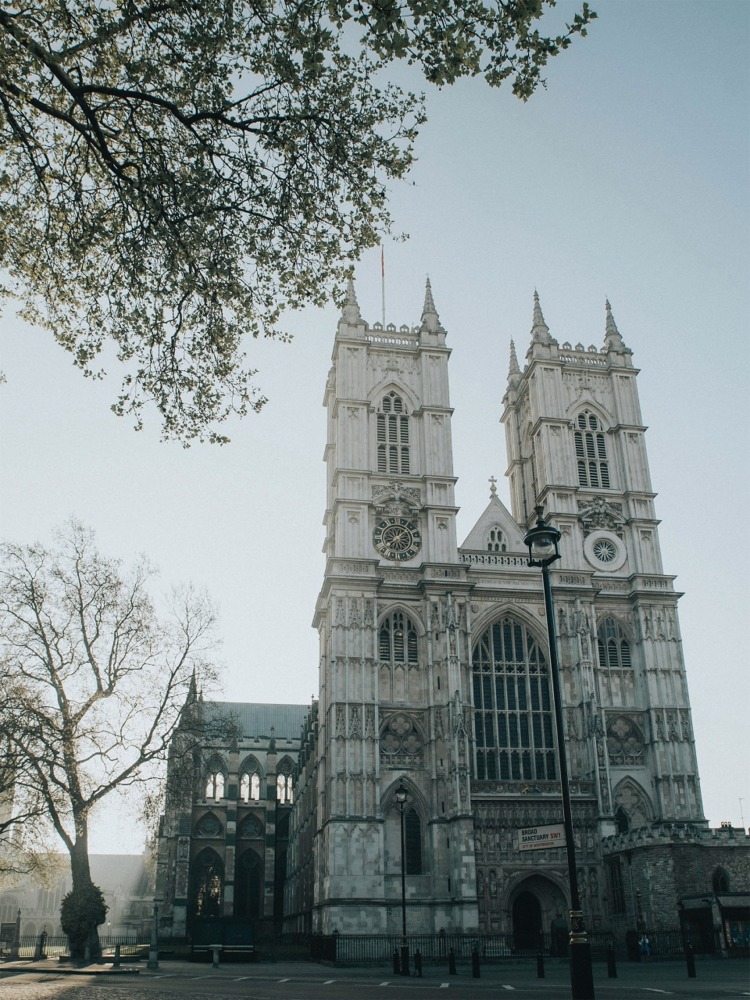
column 513, row 707
column 284, row 782
column 393, row 436
column 250, row 782
column 215, row 781
column 397, row 639
column 616, row 677
column 591, row 451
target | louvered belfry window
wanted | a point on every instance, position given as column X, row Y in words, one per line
column 397, row 639
column 393, row 436
column 591, row 452
column 513, row 723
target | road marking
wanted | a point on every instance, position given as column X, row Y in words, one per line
column 510, row 988
column 283, row 980
column 239, row 979
column 328, row 982
column 444, row 986
column 386, row 983
column 652, row 989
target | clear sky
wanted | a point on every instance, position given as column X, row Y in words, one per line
column 627, row 179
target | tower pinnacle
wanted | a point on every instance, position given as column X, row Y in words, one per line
column 350, row 313
column 514, row 371
column 430, row 318
column 612, row 339
column 539, row 329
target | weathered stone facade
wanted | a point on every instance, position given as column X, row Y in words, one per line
column 434, row 664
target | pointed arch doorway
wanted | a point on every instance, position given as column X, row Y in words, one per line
column 527, row 921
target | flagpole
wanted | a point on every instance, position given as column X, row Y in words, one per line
column 382, row 281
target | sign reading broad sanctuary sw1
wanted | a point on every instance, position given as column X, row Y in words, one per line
column 534, row 838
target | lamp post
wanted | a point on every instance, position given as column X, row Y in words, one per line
column 543, row 545
column 401, row 797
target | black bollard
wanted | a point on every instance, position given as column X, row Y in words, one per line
column 418, row 962
column 539, row 965
column 396, row 963
column 474, row 963
column 451, row 963
column 611, row 967
column 690, row 958
column 116, row 960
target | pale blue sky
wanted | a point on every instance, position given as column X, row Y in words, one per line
column 628, row 179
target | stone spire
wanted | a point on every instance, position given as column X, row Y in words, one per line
column 430, row 318
column 539, row 329
column 350, row 313
column 514, row 371
column 612, row 339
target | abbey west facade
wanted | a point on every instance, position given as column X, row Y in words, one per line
column 434, row 674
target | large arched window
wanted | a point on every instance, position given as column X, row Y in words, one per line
column 393, row 435
column 397, row 639
column 250, row 781
column 513, row 706
column 206, row 885
column 591, row 451
column 284, row 781
column 215, row 779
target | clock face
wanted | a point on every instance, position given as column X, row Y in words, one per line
column 396, row 538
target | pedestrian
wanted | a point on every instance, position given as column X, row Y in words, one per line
column 645, row 948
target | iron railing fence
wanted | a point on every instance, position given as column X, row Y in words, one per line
column 132, row 946
column 378, row 949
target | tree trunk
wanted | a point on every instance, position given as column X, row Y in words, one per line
column 86, row 947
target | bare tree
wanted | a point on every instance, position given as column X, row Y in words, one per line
column 95, row 679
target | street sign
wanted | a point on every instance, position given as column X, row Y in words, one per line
column 536, row 838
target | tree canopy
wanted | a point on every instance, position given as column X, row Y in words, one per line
column 175, row 175
column 93, row 679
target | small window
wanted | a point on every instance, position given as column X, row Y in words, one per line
column 215, row 785
column 496, row 541
column 250, row 787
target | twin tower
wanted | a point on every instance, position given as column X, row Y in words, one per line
column 434, row 669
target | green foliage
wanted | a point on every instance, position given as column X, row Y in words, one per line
column 82, row 910
column 176, row 174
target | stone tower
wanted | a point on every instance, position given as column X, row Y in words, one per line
column 394, row 697
column 576, row 445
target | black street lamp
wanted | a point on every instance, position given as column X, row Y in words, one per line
column 401, row 797
column 543, row 543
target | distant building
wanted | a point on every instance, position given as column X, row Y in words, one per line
column 125, row 879
column 434, row 677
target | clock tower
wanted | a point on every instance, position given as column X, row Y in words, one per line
column 394, row 711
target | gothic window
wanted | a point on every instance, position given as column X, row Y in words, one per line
column 622, row 821
column 625, row 744
column 591, row 451
column 720, row 881
column 250, row 828
column 616, row 889
column 393, row 436
column 250, row 781
column 248, row 884
column 208, row 826
column 400, row 742
column 284, row 782
column 496, row 540
column 616, row 678
column 397, row 639
column 207, row 884
column 412, row 843
column 512, row 706
column 215, row 780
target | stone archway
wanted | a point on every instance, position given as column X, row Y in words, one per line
column 534, row 904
